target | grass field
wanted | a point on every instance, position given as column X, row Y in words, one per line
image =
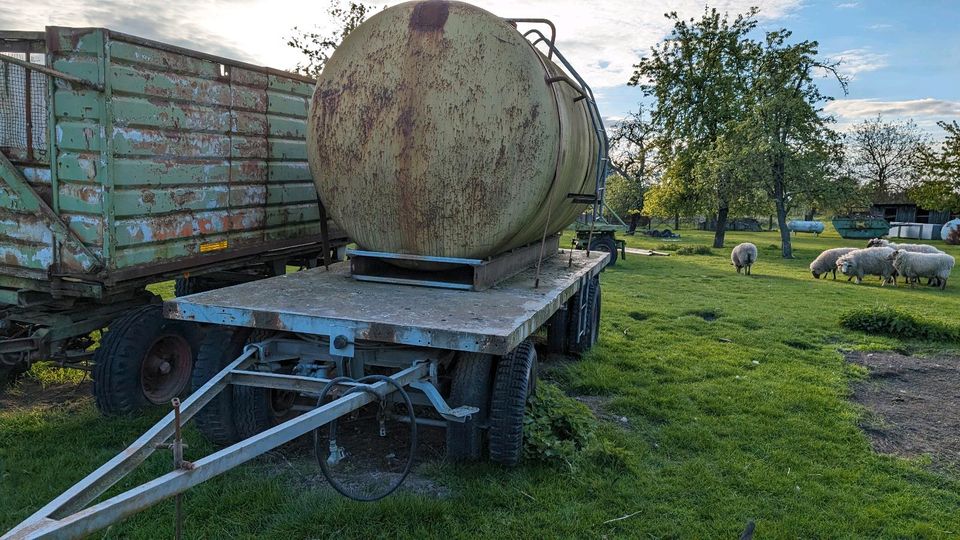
column 735, row 400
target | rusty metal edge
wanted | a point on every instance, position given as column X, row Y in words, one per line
column 197, row 264
column 120, row 36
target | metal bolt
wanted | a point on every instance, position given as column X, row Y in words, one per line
column 340, row 342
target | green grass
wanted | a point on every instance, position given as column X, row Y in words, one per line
column 736, row 400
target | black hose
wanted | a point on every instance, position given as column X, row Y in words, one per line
column 333, row 435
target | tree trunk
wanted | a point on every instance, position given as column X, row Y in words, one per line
column 676, row 221
column 770, row 224
column 810, row 213
column 721, row 228
column 786, row 247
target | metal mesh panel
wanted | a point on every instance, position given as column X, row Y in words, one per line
column 23, row 110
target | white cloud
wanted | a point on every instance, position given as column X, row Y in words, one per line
column 856, row 61
column 603, row 40
column 925, row 112
column 848, row 5
column 865, row 108
column 879, row 26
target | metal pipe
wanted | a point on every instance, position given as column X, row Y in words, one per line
column 548, row 22
column 100, row 480
column 422, row 421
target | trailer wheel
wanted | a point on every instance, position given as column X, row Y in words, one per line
column 220, row 346
column 470, row 387
column 557, row 332
column 606, row 244
column 185, row 286
column 577, row 344
column 515, row 381
column 259, row 409
column 143, row 359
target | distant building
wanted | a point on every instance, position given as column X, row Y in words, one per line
column 900, row 209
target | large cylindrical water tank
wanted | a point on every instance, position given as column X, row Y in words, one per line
column 437, row 129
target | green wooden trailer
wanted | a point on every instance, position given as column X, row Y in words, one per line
column 125, row 162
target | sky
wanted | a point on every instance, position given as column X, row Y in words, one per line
column 902, row 56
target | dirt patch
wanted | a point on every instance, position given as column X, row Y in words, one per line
column 914, row 403
column 28, row 393
column 372, row 463
column 598, row 406
column 708, row 314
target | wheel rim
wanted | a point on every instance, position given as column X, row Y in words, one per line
column 165, row 370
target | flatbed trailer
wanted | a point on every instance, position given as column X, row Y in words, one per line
column 465, row 355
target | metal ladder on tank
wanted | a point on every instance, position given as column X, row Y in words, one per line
column 603, row 145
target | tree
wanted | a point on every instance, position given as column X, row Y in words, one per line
column 633, row 155
column 319, row 47
column 784, row 141
column 883, row 154
column 939, row 187
column 697, row 79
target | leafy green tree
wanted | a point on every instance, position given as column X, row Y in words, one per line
column 317, row 47
column 697, row 77
column 784, row 141
column 939, row 187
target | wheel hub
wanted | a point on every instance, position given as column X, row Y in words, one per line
column 165, row 370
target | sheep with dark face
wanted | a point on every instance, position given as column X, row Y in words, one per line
column 916, row 248
column 913, row 266
column 870, row 261
column 826, row 262
column 743, row 256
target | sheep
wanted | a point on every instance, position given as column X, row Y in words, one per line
column 911, row 265
column 743, row 256
column 916, row 248
column 873, row 261
column 827, row 262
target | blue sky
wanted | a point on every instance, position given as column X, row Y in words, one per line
column 903, row 56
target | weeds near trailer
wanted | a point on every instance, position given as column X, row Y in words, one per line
column 556, row 426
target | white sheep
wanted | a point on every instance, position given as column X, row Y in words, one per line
column 912, row 266
column 743, row 256
column 916, row 248
column 826, row 262
column 872, row 261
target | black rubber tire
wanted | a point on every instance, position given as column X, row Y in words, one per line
column 185, row 286
column 219, row 347
column 607, row 244
column 253, row 408
column 557, row 332
column 591, row 333
column 117, row 386
column 513, row 384
column 470, row 386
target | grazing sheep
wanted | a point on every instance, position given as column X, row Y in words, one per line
column 872, row 261
column 916, row 248
column 912, row 266
column 826, row 262
column 743, row 256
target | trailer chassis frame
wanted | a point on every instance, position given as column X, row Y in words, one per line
column 69, row 515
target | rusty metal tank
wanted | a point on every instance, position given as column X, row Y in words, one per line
column 437, row 129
